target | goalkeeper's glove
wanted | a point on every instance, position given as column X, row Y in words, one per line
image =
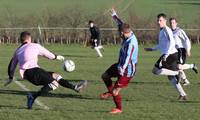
column 60, row 57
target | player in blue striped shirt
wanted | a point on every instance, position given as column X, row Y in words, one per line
column 125, row 68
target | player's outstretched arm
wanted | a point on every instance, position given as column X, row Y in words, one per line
column 46, row 53
column 151, row 49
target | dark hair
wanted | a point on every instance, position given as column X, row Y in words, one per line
column 24, row 35
column 91, row 21
column 172, row 18
column 162, row 15
column 126, row 28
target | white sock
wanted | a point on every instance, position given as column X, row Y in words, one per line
column 98, row 51
column 186, row 66
column 178, row 86
column 167, row 72
column 59, row 77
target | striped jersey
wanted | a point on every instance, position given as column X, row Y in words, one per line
column 128, row 55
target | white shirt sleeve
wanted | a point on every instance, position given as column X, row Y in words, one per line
column 187, row 43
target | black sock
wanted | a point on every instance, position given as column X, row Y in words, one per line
column 44, row 90
column 66, row 83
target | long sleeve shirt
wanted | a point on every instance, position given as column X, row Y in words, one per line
column 95, row 33
column 182, row 40
column 166, row 43
column 128, row 56
column 27, row 57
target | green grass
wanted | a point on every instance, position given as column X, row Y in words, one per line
column 148, row 97
column 186, row 10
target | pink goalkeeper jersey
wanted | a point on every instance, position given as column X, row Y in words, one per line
column 27, row 57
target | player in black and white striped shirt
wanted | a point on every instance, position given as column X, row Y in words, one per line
column 183, row 46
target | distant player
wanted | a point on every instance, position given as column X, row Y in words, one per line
column 27, row 57
column 95, row 38
column 167, row 63
column 124, row 69
column 183, row 46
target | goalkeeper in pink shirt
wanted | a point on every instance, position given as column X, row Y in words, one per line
column 27, row 58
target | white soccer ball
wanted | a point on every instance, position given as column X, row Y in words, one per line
column 69, row 65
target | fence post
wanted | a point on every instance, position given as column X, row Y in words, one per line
column 198, row 39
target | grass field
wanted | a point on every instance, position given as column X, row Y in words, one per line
column 147, row 9
column 148, row 97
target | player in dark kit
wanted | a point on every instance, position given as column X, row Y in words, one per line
column 27, row 57
column 124, row 69
column 95, row 38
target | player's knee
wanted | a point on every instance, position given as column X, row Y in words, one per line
column 54, row 85
column 56, row 76
column 156, row 71
column 105, row 76
column 116, row 91
column 179, row 66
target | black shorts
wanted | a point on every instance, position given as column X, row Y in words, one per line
column 95, row 44
column 170, row 63
column 38, row 76
column 181, row 55
column 112, row 71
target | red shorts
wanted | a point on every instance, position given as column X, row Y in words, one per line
column 122, row 81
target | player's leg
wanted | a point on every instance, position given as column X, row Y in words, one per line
column 184, row 79
column 122, row 82
column 118, row 101
column 164, row 71
column 65, row 83
column 182, row 61
column 98, row 52
column 179, row 88
column 97, row 48
column 188, row 66
column 106, row 77
column 168, row 67
column 38, row 76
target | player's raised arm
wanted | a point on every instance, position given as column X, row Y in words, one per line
column 46, row 53
column 116, row 18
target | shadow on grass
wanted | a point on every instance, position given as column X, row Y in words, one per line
column 57, row 95
column 92, row 111
column 186, row 102
column 150, row 83
column 11, row 107
column 184, row 3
